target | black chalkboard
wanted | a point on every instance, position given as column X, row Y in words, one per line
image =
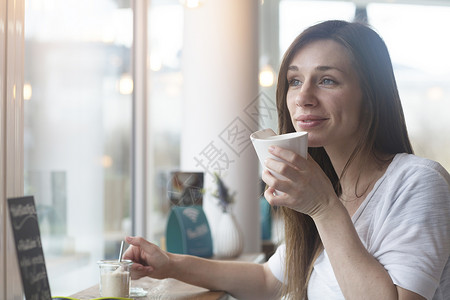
column 30, row 256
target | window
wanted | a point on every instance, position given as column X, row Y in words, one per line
column 295, row 16
column 78, row 128
column 419, row 53
column 165, row 109
column 78, row 122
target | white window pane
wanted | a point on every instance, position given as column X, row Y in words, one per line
column 414, row 34
column 165, row 110
column 78, row 133
column 295, row 16
column 417, row 41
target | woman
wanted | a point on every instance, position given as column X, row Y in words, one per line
column 364, row 218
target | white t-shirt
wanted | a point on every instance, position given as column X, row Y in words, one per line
column 405, row 224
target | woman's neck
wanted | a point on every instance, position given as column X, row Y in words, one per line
column 359, row 176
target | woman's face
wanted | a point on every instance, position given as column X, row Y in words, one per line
column 324, row 96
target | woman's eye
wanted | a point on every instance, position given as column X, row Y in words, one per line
column 294, row 82
column 328, row 81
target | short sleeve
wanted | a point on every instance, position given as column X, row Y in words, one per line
column 412, row 231
column 276, row 263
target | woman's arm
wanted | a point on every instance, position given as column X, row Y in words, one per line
column 241, row 279
column 359, row 274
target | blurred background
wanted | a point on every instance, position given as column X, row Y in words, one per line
column 80, row 120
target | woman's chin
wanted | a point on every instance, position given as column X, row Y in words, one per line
column 313, row 142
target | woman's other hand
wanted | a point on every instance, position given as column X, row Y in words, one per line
column 148, row 259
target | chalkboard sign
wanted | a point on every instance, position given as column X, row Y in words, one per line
column 188, row 231
column 29, row 248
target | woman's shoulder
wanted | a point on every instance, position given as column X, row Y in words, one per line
column 411, row 181
column 416, row 166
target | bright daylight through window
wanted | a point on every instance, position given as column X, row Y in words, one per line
column 78, row 132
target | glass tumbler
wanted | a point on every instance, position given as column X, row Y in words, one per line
column 115, row 278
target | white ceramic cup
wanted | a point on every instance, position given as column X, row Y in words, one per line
column 263, row 139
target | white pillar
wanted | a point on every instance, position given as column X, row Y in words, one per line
column 220, row 71
column 11, row 137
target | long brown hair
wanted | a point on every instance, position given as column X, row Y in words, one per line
column 383, row 124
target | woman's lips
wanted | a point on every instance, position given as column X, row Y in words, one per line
column 309, row 122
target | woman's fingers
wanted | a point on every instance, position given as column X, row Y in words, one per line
column 131, row 253
column 303, row 185
column 139, row 271
column 274, row 181
column 271, row 197
column 149, row 259
column 287, row 155
column 140, row 251
column 287, row 163
column 139, row 242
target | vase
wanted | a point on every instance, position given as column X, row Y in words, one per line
column 229, row 241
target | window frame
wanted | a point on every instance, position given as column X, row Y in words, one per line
column 12, row 15
column 139, row 160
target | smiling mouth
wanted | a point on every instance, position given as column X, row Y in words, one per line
column 310, row 123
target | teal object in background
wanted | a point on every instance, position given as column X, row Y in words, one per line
column 188, row 231
column 266, row 219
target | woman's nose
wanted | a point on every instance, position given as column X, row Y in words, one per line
column 306, row 95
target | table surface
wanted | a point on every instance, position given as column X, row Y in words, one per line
column 172, row 289
column 162, row 289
